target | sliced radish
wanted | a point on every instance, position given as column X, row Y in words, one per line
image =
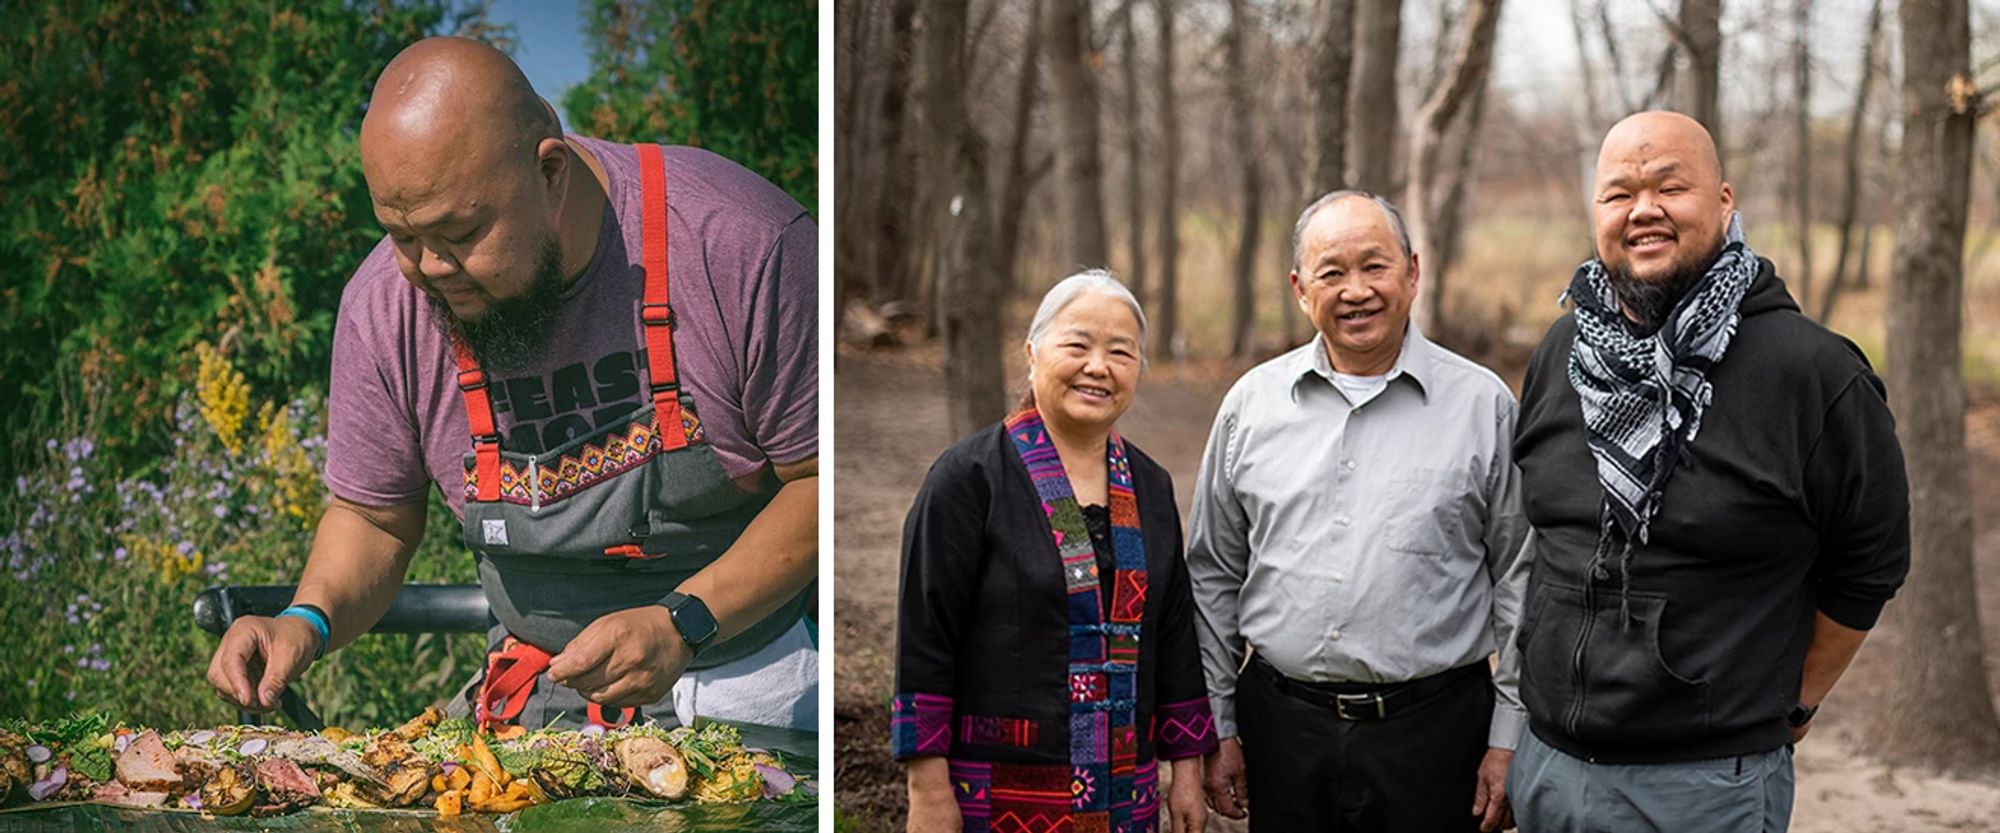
column 123, row 741
column 591, row 729
column 201, row 738
column 253, row 746
column 39, row 754
column 777, row 782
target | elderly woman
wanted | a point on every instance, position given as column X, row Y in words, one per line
column 1046, row 655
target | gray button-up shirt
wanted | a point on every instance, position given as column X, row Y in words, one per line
column 1379, row 542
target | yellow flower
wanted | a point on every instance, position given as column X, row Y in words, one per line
column 295, row 485
column 224, row 396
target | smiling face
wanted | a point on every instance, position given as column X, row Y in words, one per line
column 1356, row 283
column 1085, row 368
column 1659, row 206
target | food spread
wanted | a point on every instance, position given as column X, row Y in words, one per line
column 430, row 763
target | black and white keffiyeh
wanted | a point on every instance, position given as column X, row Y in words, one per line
column 1643, row 396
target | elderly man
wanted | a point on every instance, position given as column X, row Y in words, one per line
column 1719, row 507
column 1354, row 549
column 603, row 357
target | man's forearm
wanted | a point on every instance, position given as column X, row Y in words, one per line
column 770, row 562
column 1833, row 647
column 359, row 556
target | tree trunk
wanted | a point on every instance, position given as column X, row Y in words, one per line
column 1593, row 114
column 1135, row 189
column 1802, row 197
column 896, row 196
column 1420, row 207
column 955, row 161
column 1020, row 177
column 1166, row 323
column 1943, row 716
column 1075, row 99
column 1451, row 214
column 850, row 249
column 1374, row 117
column 1701, row 36
column 1332, row 60
column 1242, row 112
column 1856, row 127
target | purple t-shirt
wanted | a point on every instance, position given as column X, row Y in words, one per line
column 743, row 279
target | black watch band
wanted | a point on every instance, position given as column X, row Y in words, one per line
column 1801, row 715
column 692, row 619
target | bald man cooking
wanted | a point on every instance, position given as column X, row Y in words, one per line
column 1719, row 512
column 604, row 358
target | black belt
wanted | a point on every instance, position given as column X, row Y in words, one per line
column 1369, row 701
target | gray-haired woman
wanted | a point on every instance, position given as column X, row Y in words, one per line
column 1046, row 656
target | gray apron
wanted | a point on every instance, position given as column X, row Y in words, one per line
column 609, row 521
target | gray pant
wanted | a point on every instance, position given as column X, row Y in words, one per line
column 1553, row 792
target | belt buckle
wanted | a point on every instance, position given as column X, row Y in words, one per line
column 1342, row 701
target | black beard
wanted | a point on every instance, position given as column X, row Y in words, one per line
column 1648, row 303
column 513, row 331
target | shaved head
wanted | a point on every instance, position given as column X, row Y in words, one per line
column 470, row 175
column 1660, row 210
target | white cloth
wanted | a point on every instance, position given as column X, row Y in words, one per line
column 777, row 686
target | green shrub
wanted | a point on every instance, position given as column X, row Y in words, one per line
column 102, row 567
column 737, row 78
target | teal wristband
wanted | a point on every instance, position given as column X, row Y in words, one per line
column 316, row 619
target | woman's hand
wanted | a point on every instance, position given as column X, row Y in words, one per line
column 932, row 807
column 1186, row 806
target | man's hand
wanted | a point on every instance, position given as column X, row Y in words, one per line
column 258, row 657
column 1184, row 802
column 628, row 658
column 1489, row 793
column 932, row 807
column 1228, row 785
column 1799, row 732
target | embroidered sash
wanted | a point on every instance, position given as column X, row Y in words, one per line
column 1103, row 655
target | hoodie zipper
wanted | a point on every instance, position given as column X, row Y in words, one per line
column 1576, row 658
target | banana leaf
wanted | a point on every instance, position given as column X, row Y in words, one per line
column 583, row 815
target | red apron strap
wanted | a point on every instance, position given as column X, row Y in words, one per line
column 485, row 433
column 625, row 715
column 656, row 314
column 510, row 677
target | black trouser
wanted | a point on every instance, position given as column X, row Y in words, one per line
column 1412, row 770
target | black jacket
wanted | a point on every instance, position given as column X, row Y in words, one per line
column 1791, row 499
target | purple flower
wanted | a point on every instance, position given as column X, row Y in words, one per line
column 186, row 548
column 119, row 554
column 82, row 663
column 79, row 449
column 221, row 511
column 52, row 445
column 69, row 649
column 100, row 665
column 217, row 568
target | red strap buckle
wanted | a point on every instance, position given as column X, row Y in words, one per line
column 470, row 379
column 510, row 678
column 657, row 314
column 625, row 715
column 626, row 550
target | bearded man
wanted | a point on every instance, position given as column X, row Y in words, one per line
column 1719, row 508
column 603, row 357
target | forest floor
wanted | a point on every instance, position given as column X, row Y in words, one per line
column 890, row 424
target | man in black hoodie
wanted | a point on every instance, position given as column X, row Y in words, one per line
column 1719, row 506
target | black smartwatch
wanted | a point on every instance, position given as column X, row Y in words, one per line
column 1801, row 715
column 692, row 619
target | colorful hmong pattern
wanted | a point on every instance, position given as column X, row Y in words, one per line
column 1103, row 656
column 1184, row 729
column 998, row 731
column 919, row 725
column 617, row 451
column 1046, row 798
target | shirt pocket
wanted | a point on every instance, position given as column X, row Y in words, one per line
column 1426, row 511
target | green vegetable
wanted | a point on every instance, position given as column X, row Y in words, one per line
column 91, row 761
column 517, row 760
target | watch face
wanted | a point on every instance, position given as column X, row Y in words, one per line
column 692, row 619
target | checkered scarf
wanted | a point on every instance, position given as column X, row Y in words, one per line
column 1643, row 397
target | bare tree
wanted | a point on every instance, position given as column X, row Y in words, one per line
column 1020, row 176
column 1242, row 112
column 1593, row 113
column 1167, row 323
column 1700, row 33
column 1082, row 182
column 955, row 159
column 1856, row 127
column 1943, row 716
column 1466, row 77
column 891, row 278
column 850, row 251
column 1373, row 118
column 1135, row 189
column 1333, row 58
column 1802, row 200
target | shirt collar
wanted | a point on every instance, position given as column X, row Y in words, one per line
column 1415, row 362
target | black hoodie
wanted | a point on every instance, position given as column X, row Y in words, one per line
column 1791, row 499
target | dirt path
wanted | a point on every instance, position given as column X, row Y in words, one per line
column 889, row 425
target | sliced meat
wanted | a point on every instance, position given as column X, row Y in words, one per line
column 147, row 766
column 112, row 792
column 282, row 786
column 402, row 784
